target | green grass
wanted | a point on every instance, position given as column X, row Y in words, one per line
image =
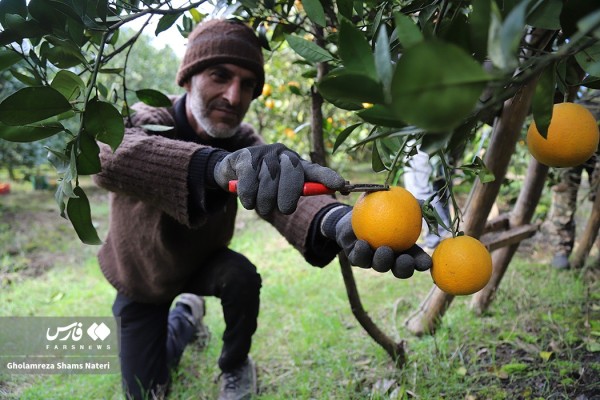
column 309, row 345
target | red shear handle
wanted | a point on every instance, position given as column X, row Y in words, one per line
column 310, row 188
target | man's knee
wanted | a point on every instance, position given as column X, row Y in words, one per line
column 241, row 278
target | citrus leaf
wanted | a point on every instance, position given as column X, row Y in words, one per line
column 589, row 59
column 382, row 116
column 383, row 62
column 408, row 33
column 79, row 213
column 165, row 22
column 8, row 58
column 153, row 98
column 104, row 122
column 69, row 84
column 376, row 162
column 88, row 159
column 434, row 98
column 505, row 37
column 546, row 15
column 342, row 86
column 344, row 135
column 479, row 23
column 307, row 49
column 543, row 100
column 355, row 51
column 314, row 11
column 345, row 7
column 29, row 133
column 32, row 104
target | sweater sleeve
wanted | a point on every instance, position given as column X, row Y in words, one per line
column 151, row 168
column 302, row 229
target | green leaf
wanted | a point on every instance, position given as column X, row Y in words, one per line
column 165, row 22
column 589, row 59
column 376, row 162
column 308, row 50
column 355, row 51
column 574, row 11
column 345, row 8
column 32, row 104
column 104, row 122
column 351, row 87
column 18, row 7
column 546, row 14
column 8, row 58
column 153, row 98
column 479, row 26
column 408, row 32
column 68, row 83
column 478, row 168
column 589, row 24
column 314, row 11
column 78, row 210
column 383, row 62
column 592, row 82
column 431, row 97
column 382, row 116
column 29, row 133
column 344, row 135
column 88, row 159
column 543, row 100
column 504, row 38
column 63, row 54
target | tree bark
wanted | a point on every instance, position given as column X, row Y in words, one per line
column 521, row 215
column 318, row 153
column 507, row 130
column 584, row 246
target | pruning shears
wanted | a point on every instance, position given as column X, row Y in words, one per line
column 316, row 188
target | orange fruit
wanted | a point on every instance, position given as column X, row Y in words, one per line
column 388, row 218
column 267, row 90
column 572, row 137
column 461, row 265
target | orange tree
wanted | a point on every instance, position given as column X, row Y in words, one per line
column 434, row 70
column 408, row 72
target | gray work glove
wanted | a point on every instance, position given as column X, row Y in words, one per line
column 271, row 176
column 336, row 225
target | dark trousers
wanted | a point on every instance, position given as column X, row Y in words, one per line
column 153, row 337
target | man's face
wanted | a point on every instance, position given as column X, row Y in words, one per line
column 219, row 96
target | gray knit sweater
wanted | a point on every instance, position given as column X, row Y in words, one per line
column 166, row 219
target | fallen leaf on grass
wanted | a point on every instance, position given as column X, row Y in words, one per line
column 546, row 355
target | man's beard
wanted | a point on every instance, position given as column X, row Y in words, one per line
column 200, row 111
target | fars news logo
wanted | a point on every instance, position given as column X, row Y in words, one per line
column 69, row 336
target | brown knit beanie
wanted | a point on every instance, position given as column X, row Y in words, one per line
column 221, row 41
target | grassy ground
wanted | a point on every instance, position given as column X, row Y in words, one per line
column 539, row 340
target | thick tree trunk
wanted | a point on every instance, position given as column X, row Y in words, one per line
column 507, row 130
column 521, row 215
column 584, row 246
